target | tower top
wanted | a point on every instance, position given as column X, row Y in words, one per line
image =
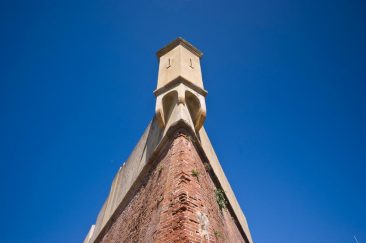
column 179, row 62
column 176, row 42
column 180, row 95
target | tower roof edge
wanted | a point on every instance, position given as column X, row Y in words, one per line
column 175, row 43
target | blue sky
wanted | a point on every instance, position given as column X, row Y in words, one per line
column 286, row 109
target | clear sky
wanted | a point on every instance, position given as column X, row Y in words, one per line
column 286, row 109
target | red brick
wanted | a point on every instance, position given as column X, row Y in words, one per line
column 165, row 207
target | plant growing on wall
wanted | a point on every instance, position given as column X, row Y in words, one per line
column 195, row 173
column 220, row 198
column 217, row 234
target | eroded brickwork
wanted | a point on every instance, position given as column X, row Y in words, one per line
column 176, row 203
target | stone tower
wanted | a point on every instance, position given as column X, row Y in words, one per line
column 172, row 187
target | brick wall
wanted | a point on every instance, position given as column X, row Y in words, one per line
column 176, row 203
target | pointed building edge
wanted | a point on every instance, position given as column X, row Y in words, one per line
column 132, row 173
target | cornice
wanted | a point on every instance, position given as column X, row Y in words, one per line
column 177, row 42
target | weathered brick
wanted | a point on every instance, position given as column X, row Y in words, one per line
column 173, row 205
